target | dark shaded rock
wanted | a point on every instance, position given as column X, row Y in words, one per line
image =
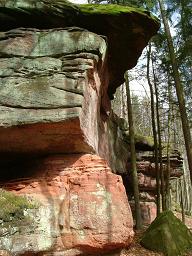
column 142, row 143
column 167, row 234
column 146, row 183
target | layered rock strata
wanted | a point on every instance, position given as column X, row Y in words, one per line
column 127, row 29
column 59, row 140
column 147, row 181
column 81, row 207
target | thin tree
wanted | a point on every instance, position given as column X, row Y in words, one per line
column 167, row 184
column 182, row 202
column 133, row 156
column 154, row 132
column 159, row 143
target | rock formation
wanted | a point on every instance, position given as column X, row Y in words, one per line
column 59, row 139
column 82, row 207
column 167, row 234
column 147, row 181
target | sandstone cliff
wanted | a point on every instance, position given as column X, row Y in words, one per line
column 59, row 139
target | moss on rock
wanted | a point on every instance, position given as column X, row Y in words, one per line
column 13, row 207
column 167, row 234
column 142, row 143
column 113, row 10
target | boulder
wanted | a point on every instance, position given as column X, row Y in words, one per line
column 55, row 83
column 80, row 205
column 167, row 234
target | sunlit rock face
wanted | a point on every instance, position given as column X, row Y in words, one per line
column 60, row 142
column 54, row 100
column 50, row 90
column 53, row 90
column 81, row 207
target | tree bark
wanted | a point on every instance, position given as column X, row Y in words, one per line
column 182, row 203
column 133, row 156
column 158, row 200
column 179, row 89
column 167, row 183
column 161, row 173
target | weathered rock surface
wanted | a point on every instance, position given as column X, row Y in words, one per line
column 56, row 81
column 127, row 29
column 146, row 165
column 147, row 181
column 167, row 234
column 79, row 200
column 54, row 99
column 44, row 80
column 148, row 211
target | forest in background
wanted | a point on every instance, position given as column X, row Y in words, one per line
column 165, row 111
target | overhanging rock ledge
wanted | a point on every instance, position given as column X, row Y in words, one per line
column 61, row 144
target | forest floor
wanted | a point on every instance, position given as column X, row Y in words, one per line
column 137, row 250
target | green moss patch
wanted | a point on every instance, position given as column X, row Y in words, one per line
column 112, row 9
column 13, row 207
column 167, row 234
column 142, row 143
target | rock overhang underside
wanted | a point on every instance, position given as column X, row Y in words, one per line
column 127, row 29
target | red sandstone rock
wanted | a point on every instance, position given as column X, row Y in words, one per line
column 54, row 99
column 148, row 168
column 146, row 183
column 148, row 211
column 88, row 203
column 56, row 84
column 147, row 196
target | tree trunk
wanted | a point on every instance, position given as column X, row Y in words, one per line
column 181, row 203
column 167, row 183
column 133, row 156
column 158, row 201
column 161, row 173
column 179, row 89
